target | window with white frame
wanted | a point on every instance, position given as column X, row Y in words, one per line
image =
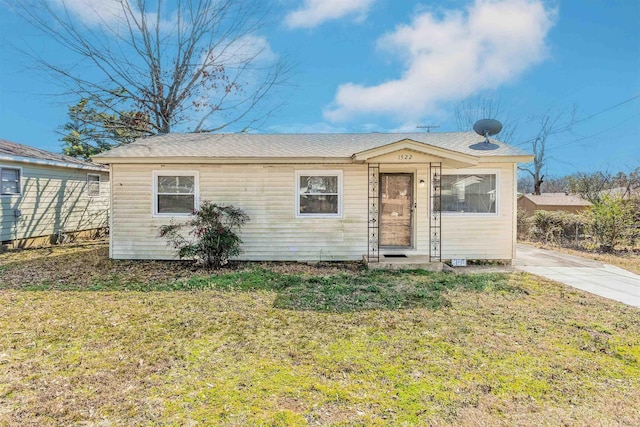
column 10, row 181
column 175, row 192
column 93, row 185
column 318, row 193
column 469, row 193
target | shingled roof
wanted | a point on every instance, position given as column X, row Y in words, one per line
column 557, row 199
column 12, row 151
column 321, row 145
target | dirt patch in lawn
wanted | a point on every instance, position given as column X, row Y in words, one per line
column 88, row 266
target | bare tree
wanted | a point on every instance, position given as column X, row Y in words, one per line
column 485, row 105
column 199, row 65
column 595, row 185
column 549, row 125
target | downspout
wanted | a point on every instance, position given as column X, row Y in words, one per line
column 110, row 219
column 514, row 213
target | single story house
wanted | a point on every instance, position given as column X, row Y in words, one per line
column 571, row 203
column 45, row 196
column 317, row 197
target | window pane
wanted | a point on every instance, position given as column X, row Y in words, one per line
column 176, row 184
column 318, row 184
column 318, row 204
column 175, row 203
column 93, row 185
column 10, row 181
column 94, row 188
column 469, row 193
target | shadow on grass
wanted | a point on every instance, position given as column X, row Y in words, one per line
column 339, row 293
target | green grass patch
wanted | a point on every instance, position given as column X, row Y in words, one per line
column 378, row 290
column 277, row 345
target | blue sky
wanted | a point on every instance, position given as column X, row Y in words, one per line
column 385, row 65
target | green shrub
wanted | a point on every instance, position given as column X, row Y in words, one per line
column 215, row 229
column 554, row 227
column 612, row 221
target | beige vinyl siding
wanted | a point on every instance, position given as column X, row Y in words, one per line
column 265, row 192
column 53, row 199
column 483, row 236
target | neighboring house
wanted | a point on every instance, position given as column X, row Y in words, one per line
column 313, row 197
column 45, row 195
column 622, row 192
column 552, row 202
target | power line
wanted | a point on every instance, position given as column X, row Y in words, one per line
column 588, row 118
column 608, row 109
column 555, row 147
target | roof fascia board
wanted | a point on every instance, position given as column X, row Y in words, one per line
column 43, row 162
column 507, row 159
column 224, row 160
column 416, row 146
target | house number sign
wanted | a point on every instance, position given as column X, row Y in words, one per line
column 405, row 156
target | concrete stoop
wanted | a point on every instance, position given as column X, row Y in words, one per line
column 403, row 263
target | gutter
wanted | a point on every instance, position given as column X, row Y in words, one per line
column 43, row 162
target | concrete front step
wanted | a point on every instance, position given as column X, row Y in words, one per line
column 405, row 263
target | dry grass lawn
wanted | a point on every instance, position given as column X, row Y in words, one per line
column 284, row 345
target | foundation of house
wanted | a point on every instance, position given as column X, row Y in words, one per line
column 409, row 262
column 53, row 239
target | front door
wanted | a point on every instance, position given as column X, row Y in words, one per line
column 396, row 209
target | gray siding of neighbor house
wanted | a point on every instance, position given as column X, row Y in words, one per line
column 52, row 199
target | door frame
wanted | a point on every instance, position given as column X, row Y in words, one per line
column 412, row 204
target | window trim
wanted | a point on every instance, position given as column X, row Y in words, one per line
column 318, row 172
column 89, row 184
column 495, row 172
column 19, row 169
column 196, row 191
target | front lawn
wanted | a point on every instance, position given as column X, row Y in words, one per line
column 89, row 341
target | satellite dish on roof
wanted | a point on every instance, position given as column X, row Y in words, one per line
column 486, row 128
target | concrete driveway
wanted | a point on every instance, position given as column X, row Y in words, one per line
column 588, row 275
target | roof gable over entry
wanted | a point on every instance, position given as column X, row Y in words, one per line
column 409, row 151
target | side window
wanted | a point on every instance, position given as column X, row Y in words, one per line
column 319, row 193
column 93, row 185
column 175, row 193
column 10, row 181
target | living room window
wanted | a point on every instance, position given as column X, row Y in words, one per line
column 475, row 193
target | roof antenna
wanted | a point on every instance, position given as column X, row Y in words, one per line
column 486, row 128
column 428, row 127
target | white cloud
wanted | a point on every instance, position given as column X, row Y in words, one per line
column 113, row 14
column 451, row 57
column 318, row 127
column 246, row 49
column 314, row 12
column 94, row 12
